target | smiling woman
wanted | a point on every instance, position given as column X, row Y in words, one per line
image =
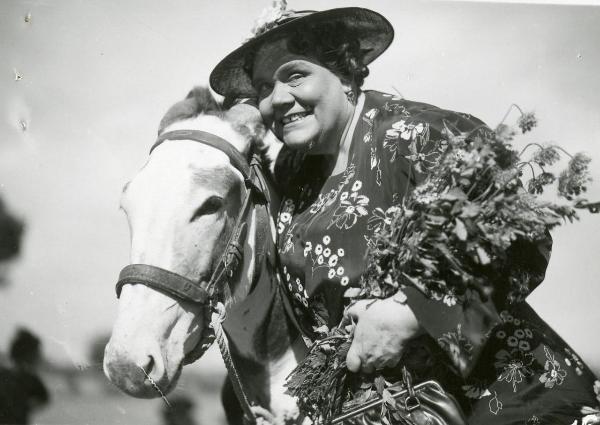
column 352, row 156
column 96, row 77
column 301, row 101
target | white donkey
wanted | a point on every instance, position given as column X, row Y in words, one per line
column 194, row 210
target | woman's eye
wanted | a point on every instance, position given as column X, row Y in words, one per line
column 295, row 79
column 210, row 206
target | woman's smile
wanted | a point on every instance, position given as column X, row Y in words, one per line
column 294, row 118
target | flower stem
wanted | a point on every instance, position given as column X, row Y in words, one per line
column 514, row 105
column 530, row 166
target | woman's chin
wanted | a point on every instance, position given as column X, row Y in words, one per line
column 299, row 138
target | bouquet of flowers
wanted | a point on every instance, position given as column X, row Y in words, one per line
column 452, row 234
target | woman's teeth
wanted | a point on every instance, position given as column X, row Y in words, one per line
column 293, row 117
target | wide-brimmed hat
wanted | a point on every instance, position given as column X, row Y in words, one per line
column 372, row 30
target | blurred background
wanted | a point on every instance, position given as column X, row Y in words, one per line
column 84, row 84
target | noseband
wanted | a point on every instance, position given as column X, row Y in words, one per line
column 206, row 293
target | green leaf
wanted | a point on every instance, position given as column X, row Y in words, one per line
column 388, row 399
column 470, row 210
column 455, row 194
column 379, row 384
column 436, row 219
column 460, row 230
column 483, row 256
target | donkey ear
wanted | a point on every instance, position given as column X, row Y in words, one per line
column 198, row 101
column 246, row 120
column 181, row 110
column 205, row 101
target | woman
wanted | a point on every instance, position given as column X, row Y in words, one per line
column 345, row 161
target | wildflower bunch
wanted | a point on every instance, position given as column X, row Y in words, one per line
column 452, row 236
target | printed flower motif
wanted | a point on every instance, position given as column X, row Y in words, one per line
column 380, row 219
column 371, row 114
column 424, row 153
column 288, row 244
column 349, row 174
column 476, row 391
column 352, row 206
column 395, row 108
column 450, row 300
column 405, row 131
column 307, row 248
column 324, row 201
column 285, row 215
column 457, row 346
column 296, row 287
column 554, row 375
column 495, row 404
column 325, row 255
column 374, row 160
column 591, row 419
column 284, row 219
column 517, row 365
column 332, row 261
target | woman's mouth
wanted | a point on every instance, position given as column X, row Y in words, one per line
column 294, row 117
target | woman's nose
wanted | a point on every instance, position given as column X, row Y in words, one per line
column 281, row 98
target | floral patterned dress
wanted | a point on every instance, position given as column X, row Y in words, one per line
column 503, row 363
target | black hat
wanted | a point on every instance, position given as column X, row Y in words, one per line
column 373, row 32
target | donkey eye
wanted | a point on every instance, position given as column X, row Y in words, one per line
column 209, row 206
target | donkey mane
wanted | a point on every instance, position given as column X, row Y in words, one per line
column 200, row 103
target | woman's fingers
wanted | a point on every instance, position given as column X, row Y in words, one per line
column 353, row 360
column 357, row 360
column 382, row 328
column 354, row 310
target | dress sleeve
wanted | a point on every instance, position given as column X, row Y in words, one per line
column 461, row 328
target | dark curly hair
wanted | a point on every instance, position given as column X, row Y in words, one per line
column 331, row 46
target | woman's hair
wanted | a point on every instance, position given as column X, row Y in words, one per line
column 331, row 46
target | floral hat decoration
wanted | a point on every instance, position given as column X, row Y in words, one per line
column 372, row 30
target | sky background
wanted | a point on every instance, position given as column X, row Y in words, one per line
column 98, row 75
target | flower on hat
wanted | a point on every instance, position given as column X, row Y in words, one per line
column 268, row 18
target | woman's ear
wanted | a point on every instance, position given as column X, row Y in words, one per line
column 347, row 86
column 350, row 90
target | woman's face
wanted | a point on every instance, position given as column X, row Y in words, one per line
column 301, row 101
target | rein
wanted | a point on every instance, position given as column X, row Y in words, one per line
column 213, row 293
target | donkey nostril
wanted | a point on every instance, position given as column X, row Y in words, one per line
column 147, row 368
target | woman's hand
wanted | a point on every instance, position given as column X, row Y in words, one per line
column 382, row 327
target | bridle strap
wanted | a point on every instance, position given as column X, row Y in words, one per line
column 164, row 280
column 237, row 159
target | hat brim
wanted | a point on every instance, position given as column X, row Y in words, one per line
column 372, row 30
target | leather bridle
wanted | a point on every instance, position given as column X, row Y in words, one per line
column 208, row 293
